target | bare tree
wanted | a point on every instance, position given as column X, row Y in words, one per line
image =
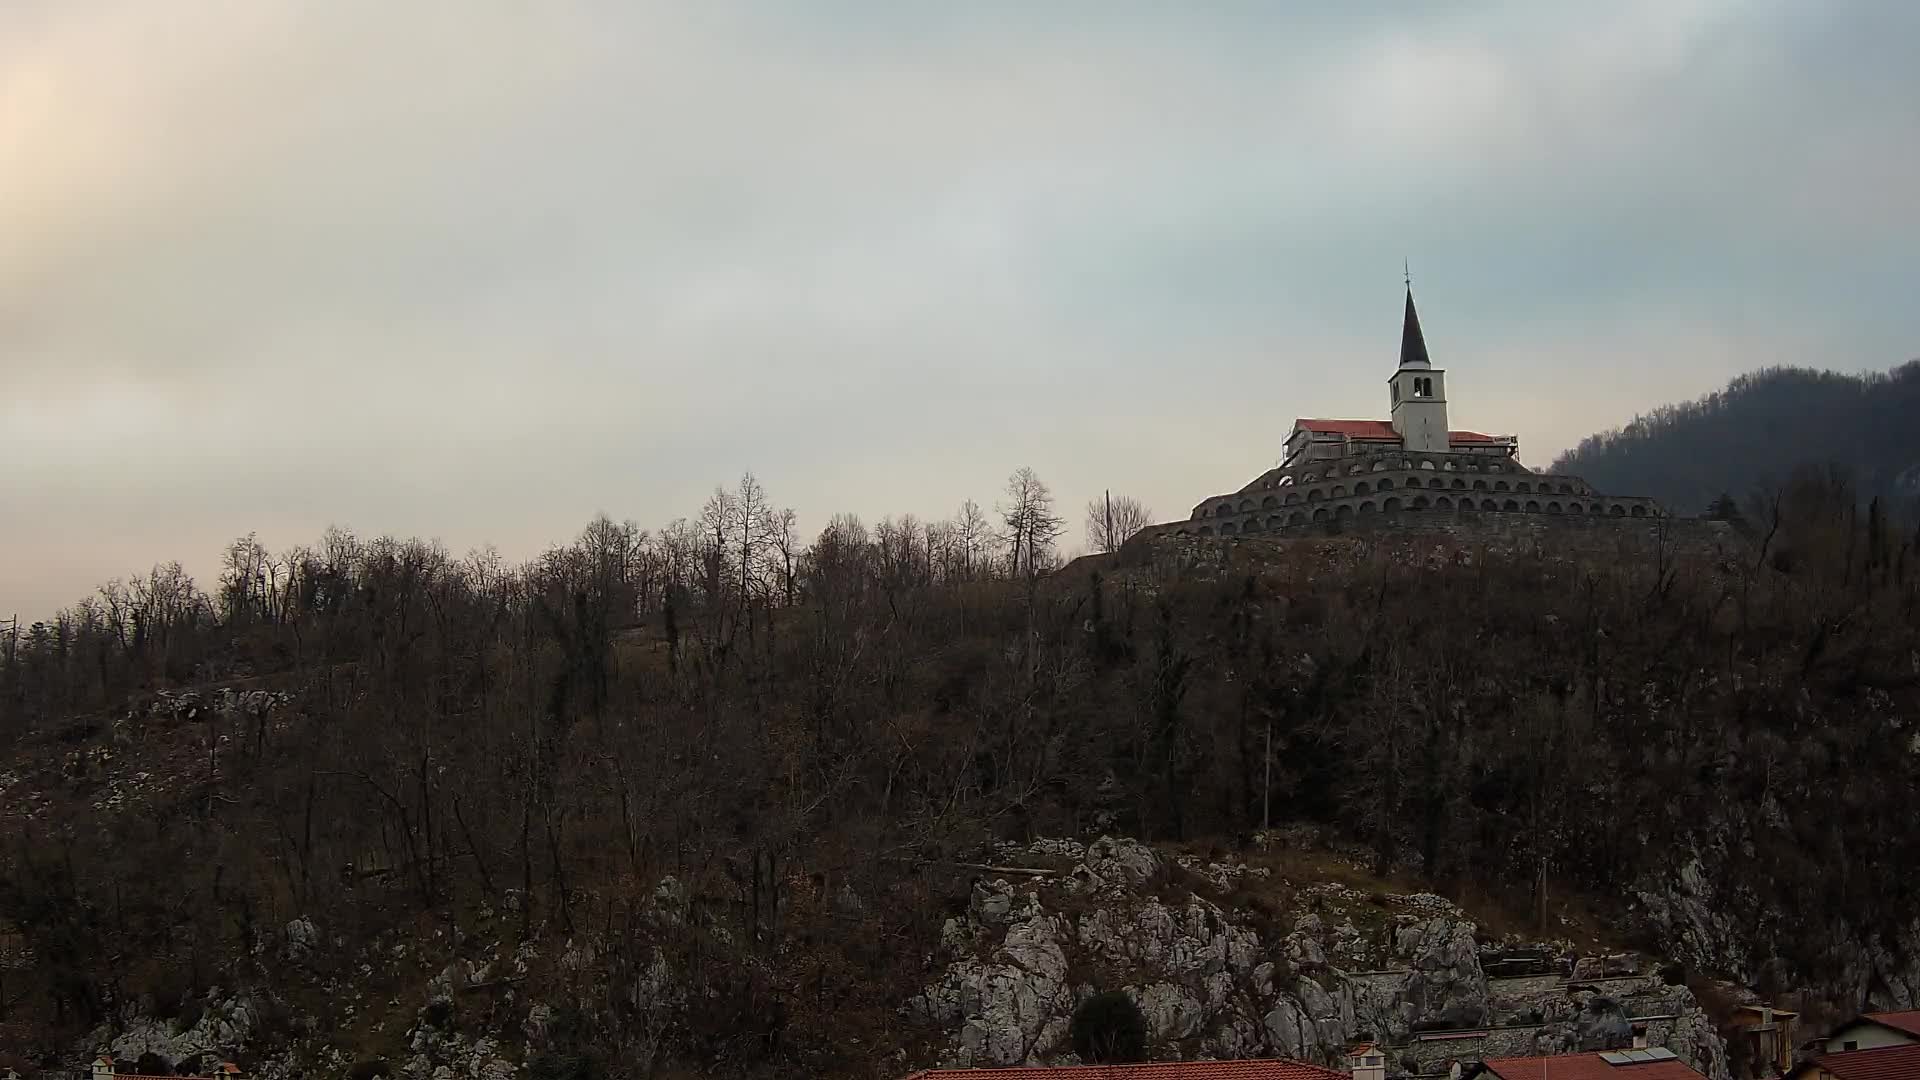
column 1030, row 521
column 971, row 532
column 1113, row 519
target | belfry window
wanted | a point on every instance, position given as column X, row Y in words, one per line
column 1396, row 393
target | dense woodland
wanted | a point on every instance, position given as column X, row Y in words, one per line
column 1757, row 431
column 525, row 752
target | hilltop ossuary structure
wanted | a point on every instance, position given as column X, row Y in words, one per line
column 1338, row 474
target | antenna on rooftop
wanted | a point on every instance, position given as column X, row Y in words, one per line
column 1407, row 268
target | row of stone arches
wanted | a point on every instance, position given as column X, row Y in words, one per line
column 1396, row 504
column 1386, row 483
column 1386, row 464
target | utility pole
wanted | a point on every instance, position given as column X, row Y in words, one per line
column 1543, row 894
column 1266, row 782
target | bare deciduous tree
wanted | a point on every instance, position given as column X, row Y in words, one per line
column 1112, row 520
column 1030, row 521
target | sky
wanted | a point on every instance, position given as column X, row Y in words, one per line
column 481, row 270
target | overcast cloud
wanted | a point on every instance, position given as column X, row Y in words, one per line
column 480, row 270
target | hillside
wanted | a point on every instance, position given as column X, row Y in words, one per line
column 636, row 808
column 1757, row 432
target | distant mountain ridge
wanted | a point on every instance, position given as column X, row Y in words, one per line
column 1757, row 430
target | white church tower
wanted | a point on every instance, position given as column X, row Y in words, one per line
column 1419, row 391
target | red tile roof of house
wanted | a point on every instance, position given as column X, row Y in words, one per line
column 1586, row 1067
column 1908, row 1021
column 1885, row 1063
column 1266, row 1069
column 1470, row 437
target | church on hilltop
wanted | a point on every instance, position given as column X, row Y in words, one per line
column 1336, row 473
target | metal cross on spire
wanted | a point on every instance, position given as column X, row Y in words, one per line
column 1409, row 274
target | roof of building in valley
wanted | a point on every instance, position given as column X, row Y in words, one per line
column 1265, row 1069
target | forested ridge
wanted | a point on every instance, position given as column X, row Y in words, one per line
column 451, row 755
column 1757, row 431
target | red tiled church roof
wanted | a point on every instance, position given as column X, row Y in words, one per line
column 1885, row 1063
column 1352, row 429
column 1379, row 429
column 1270, row 1069
column 1586, row 1067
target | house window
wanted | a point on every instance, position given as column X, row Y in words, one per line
column 1396, row 393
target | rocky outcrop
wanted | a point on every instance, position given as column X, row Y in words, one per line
column 1211, row 982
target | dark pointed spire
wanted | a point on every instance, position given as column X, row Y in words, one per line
column 1413, row 344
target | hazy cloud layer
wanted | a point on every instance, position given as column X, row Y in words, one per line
column 478, row 271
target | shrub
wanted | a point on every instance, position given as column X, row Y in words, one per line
column 1108, row 1029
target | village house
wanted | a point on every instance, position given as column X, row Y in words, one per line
column 105, row 1068
column 1258, row 1069
column 1880, row 1063
column 1649, row 1064
column 1766, row 1035
column 1871, row 1031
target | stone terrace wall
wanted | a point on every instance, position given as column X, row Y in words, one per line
column 1603, row 537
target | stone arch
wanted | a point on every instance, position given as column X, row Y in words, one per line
column 1448, row 465
column 1315, row 494
column 1283, row 481
column 1292, row 497
column 1510, row 504
column 1296, row 518
column 1596, row 508
column 1496, row 468
column 1533, row 506
column 1459, row 484
column 1380, row 465
column 1386, row 483
column 1276, row 522
column 1269, row 503
column 1343, row 511
column 1252, row 525
column 1339, row 491
column 1443, row 503
column 1489, row 504
column 1639, row 511
column 1575, row 508
column 1499, row 485
column 1553, row 508
column 1227, row 528
column 1479, row 485
column 1617, row 510
column 1361, row 488
column 1566, row 489
column 1320, row 514
column 1436, row 482
column 1419, row 502
column 1246, row 505
column 1206, row 530
column 1521, row 485
column 1427, row 464
column 1391, row 506
column 1357, row 468
column 1367, row 507
column 1223, row 509
column 1181, row 532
